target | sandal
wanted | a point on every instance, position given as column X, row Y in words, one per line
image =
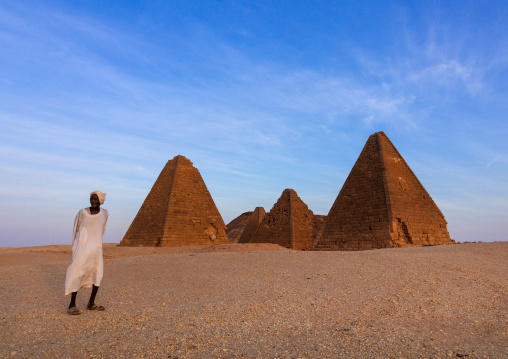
column 95, row 307
column 73, row 311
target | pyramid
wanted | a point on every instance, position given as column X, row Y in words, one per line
column 235, row 228
column 290, row 223
column 252, row 225
column 178, row 211
column 382, row 204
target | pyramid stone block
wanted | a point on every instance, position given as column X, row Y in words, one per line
column 252, row 225
column 290, row 223
column 178, row 211
column 382, row 204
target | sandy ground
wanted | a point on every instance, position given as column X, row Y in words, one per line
column 259, row 301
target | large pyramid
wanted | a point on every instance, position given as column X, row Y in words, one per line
column 178, row 211
column 252, row 225
column 290, row 223
column 382, row 204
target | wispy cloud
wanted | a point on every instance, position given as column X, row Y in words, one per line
column 80, row 93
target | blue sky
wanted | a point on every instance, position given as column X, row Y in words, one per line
column 260, row 95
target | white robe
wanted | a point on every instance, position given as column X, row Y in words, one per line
column 86, row 267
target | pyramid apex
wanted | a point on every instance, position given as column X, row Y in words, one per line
column 289, row 191
column 379, row 134
column 182, row 160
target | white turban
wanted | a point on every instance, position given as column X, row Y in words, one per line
column 101, row 195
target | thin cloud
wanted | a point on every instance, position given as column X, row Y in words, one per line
column 81, row 93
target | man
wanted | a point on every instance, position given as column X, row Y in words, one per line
column 86, row 267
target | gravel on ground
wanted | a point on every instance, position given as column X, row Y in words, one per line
column 258, row 302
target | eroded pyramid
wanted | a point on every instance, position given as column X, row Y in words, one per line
column 235, row 228
column 382, row 204
column 252, row 225
column 178, row 211
column 290, row 223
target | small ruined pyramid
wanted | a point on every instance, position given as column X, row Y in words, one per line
column 290, row 223
column 382, row 204
column 235, row 228
column 252, row 225
column 178, row 211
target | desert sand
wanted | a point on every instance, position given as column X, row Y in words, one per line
column 260, row 301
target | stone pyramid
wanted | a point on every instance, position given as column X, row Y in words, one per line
column 235, row 228
column 290, row 223
column 382, row 204
column 178, row 211
column 252, row 225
